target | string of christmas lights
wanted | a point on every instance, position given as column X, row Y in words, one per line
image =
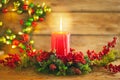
column 36, row 14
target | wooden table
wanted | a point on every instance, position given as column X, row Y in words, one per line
column 30, row 74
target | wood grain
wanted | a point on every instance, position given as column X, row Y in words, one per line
column 82, row 5
column 80, row 43
column 84, row 23
column 75, row 23
column 30, row 74
column 11, row 20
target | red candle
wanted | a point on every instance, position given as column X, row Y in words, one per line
column 60, row 42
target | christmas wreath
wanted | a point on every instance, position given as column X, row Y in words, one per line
column 44, row 61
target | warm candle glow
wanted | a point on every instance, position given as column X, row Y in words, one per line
column 55, row 19
column 60, row 42
column 61, row 24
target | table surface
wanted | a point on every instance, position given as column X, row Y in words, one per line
column 30, row 74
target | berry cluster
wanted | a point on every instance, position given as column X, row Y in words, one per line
column 113, row 68
column 75, row 57
column 93, row 55
column 11, row 61
column 73, row 63
column 30, row 52
column 43, row 56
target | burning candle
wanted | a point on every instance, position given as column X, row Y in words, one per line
column 60, row 42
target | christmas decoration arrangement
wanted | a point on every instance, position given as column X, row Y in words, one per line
column 52, row 62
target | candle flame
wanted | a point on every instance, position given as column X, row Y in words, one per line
column 61, row 24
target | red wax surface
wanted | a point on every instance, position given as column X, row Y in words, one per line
column 60, row 42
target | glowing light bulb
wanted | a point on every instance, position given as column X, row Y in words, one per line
column 43, row 4
column 27, row 2
column 30, row 11
column 1, row 5
column 20, row 33
column 8, row 42
column 8, row 37
column 34, row 50
column 1, row 23
column 14, row 46
column 32, row 42
column 16, row 4
column 13, row 10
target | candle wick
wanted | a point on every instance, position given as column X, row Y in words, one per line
column 61, row 24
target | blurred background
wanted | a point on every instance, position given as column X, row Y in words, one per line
column 91, row 23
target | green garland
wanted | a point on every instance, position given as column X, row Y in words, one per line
column 36, row 14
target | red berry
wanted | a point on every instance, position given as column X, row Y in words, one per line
column 34, row 24
column 114, row 38
column 21, row 22
column 5, row 10
column 21, row 50
column 25, row 37
column 71, row 49
column 25, row 7
column 15, row 42
column 52, row 67
column 110, row 65
column 77, row 71
column 41, row 19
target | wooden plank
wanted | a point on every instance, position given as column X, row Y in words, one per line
column 80, row 43
column 75, row 23
column 30, row 74
column 82, row 23
column 82, row 5
column 79, row 5
column 11, row 20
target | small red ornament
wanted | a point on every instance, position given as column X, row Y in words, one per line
column 21, row 22
column 15, row 42
column 25, row 7
column 21, row 50
column 41, row 19
column 5, row 10
column 52, row 67
column 25, row 37
column 34, row 24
